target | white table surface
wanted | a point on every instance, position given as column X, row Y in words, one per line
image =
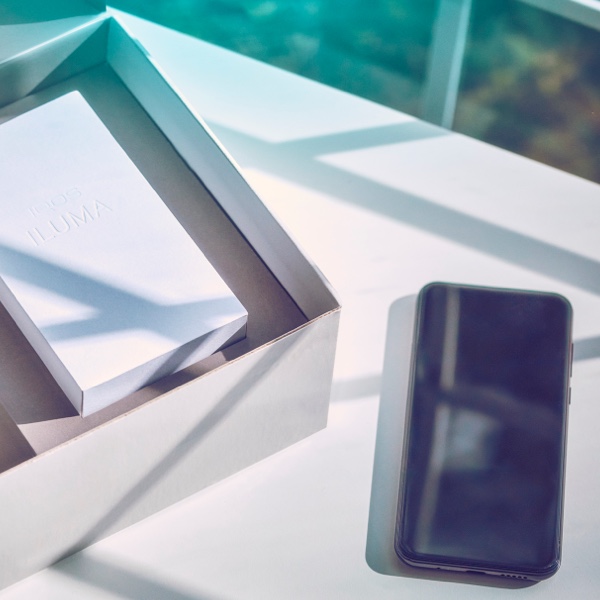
column 383, row 204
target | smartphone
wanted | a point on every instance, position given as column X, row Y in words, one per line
column 483, row 463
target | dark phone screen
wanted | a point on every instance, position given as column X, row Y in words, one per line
column 485, row 449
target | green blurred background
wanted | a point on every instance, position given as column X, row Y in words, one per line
column 530, row 79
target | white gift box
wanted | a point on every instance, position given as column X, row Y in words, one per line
column 80, row 479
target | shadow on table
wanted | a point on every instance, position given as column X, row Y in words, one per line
column 380, row 554
column 123, row 582
column 299, row 160
column 586, row 348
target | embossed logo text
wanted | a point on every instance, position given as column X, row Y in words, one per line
column 66, row 221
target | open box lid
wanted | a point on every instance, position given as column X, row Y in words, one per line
column 25, row 24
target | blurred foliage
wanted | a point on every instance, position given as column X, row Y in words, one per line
column 531, row 84
column 531, row 80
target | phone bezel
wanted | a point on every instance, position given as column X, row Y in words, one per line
column 420, row 560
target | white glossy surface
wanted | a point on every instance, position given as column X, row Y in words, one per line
column 383, row 204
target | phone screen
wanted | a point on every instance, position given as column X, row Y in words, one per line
column 484, row 449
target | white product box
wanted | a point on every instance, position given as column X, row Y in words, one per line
column 78, row 215
column 68, row 481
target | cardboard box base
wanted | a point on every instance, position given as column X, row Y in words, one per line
column 81, row 492
column 272, row 311
column 93, row 476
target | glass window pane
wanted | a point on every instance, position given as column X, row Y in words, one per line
column 531, row 84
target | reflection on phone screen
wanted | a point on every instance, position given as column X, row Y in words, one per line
column 484, row 470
